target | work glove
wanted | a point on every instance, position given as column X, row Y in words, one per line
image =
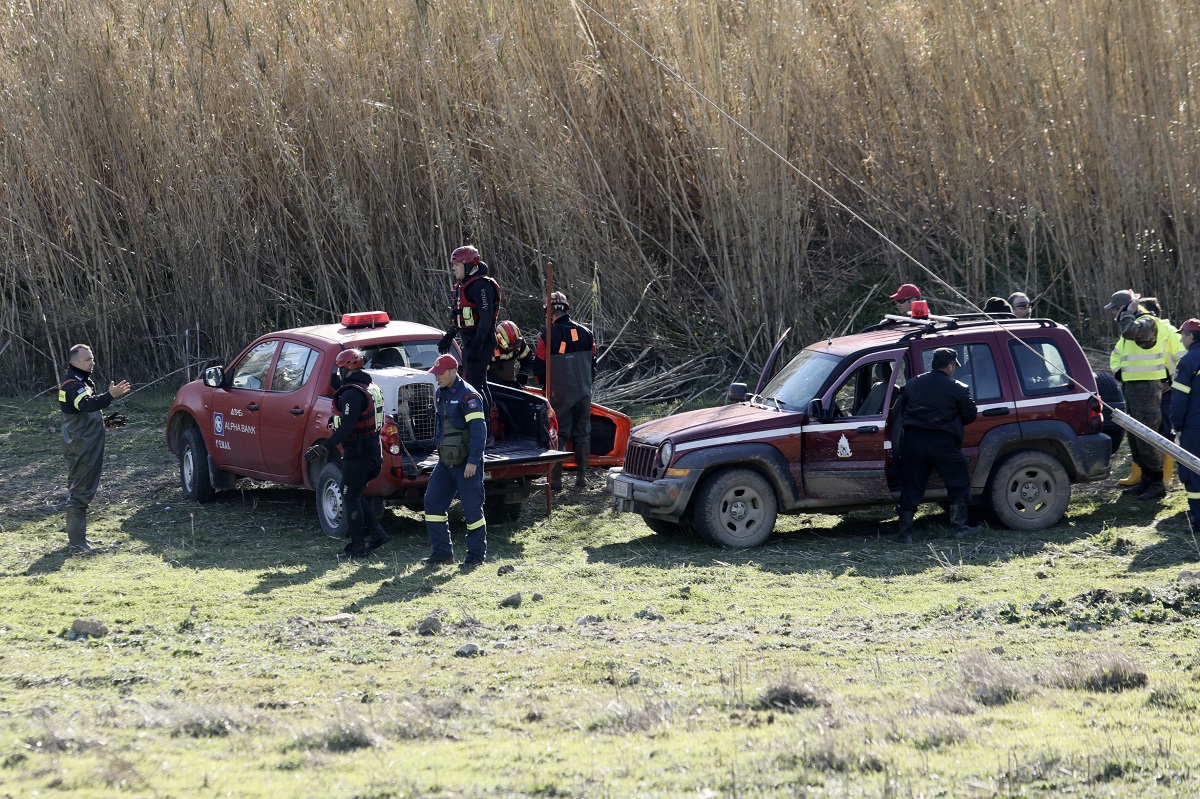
column 315, row 452
column 446, row 343
column 114, row 420
column 522, row 379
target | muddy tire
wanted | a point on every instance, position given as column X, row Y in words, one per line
column 193, row 468
column 331, row 511
column 735, row 508
column 1029, row 490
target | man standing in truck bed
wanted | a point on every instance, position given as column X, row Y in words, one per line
column 476, row 303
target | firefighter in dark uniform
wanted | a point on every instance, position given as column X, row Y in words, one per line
column 934, row 410
column 512, row 358
column 357, row 420
column 83, row 439
column 572, row 351
column 461, row 430
column 475, row 302
column 1185, row 413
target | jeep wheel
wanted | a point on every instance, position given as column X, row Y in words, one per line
column 193, row 467
column 1030, row 490
column 663, row 526
column 735, row 508
column 330, row 508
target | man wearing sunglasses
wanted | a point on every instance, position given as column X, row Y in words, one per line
column 1019, row 301
column 904, row 297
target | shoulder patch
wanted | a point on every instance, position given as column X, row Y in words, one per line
column 473, row 403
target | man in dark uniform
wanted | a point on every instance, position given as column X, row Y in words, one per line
column 1185, row 413
column 512, row 358
column 357, row 419
column 572, row 353
column 935, row 409
column 83, row 439
column 461, row 431
column 475, row 302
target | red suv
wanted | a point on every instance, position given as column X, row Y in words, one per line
column 818, row 435
column 257, row 416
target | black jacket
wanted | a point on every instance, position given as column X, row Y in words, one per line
column 936, row 401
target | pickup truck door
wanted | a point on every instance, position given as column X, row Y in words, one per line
column 286, row 406
column 236, row 410
column 846, row 453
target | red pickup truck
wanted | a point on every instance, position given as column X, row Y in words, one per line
column 256, row 416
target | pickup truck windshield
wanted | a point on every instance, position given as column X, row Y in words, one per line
column 801, row 379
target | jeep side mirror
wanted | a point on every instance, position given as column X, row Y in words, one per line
column 736, row 392
column 815, row 411
column 214, row 376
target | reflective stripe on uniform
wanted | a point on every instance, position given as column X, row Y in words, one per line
column 429, row 517
column 1193, row 495
column 470, row 417
column 1181, row 387
column 87, row 392
column 476, row 525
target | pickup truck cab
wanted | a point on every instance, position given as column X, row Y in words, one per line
column 256, row 417
column 819, row 434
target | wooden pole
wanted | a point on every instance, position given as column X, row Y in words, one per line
column 549, row 324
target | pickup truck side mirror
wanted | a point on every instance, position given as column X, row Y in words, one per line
column 214, row 376
column 815, row 411
column 736, row 392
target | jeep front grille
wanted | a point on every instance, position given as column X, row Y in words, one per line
column 641, row 461
column 416, row 414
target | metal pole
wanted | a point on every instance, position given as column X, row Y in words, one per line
column 1152, row 438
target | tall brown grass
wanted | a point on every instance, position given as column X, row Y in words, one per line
column 246, row 165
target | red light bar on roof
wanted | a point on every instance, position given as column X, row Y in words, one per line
column 365, row 319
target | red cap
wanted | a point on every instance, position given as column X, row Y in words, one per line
column 443, row 364
column 1191, row 326
column 905, row 292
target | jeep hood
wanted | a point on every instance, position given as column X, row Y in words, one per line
column 711, row 422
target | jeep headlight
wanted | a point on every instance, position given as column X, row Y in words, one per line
column 665, row 451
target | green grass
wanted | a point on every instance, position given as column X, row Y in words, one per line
column 827, row 663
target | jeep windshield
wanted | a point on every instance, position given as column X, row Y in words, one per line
column 798, row 382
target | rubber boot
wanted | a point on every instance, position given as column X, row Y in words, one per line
column 581, row 464
column 556, row 477
column 1154, row 487
column 77, row 531
column 1168, row 470
column 958, row 517
column 1135, row 476
column 905, row 533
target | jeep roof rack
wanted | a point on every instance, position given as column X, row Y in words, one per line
column 953, row 322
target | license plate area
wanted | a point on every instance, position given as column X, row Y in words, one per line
column 623, row 489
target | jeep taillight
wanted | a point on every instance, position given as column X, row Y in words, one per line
column 389, row 435
column 1095, row 416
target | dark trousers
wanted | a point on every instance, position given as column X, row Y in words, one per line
column 1143, row 401
column 475, row 373
column 924, row 451
column 356, row 473
column 445, row 483
column 1189, row 439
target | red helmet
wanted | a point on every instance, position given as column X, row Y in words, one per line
column 349, row 359
column 507, row 335
column 558, row 301
column 465, row 255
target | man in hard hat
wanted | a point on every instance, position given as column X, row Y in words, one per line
column 572, row 356
column 475, row 302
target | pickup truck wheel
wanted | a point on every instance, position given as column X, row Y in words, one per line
column 330, row 509
column 1030, row 490
column 735, row 508
column 664, row 527
column 193, row 467
column 500, row 512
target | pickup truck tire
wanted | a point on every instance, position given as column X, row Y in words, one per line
column 500, row 512
column 1109, row 389
column 1030, row 490
column 193, row 467
column 330, row 510
column 664, row 527
column 735, row 508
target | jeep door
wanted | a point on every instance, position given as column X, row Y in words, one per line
column 236, row 410
column 285, row 410
column 847, row 450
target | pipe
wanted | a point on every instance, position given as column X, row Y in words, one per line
column 1153, row 439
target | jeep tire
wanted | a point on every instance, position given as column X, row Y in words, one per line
column 664, row 526
column 735, row 508
column 331, row 512
column 193, row 467
column 1029, row 490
